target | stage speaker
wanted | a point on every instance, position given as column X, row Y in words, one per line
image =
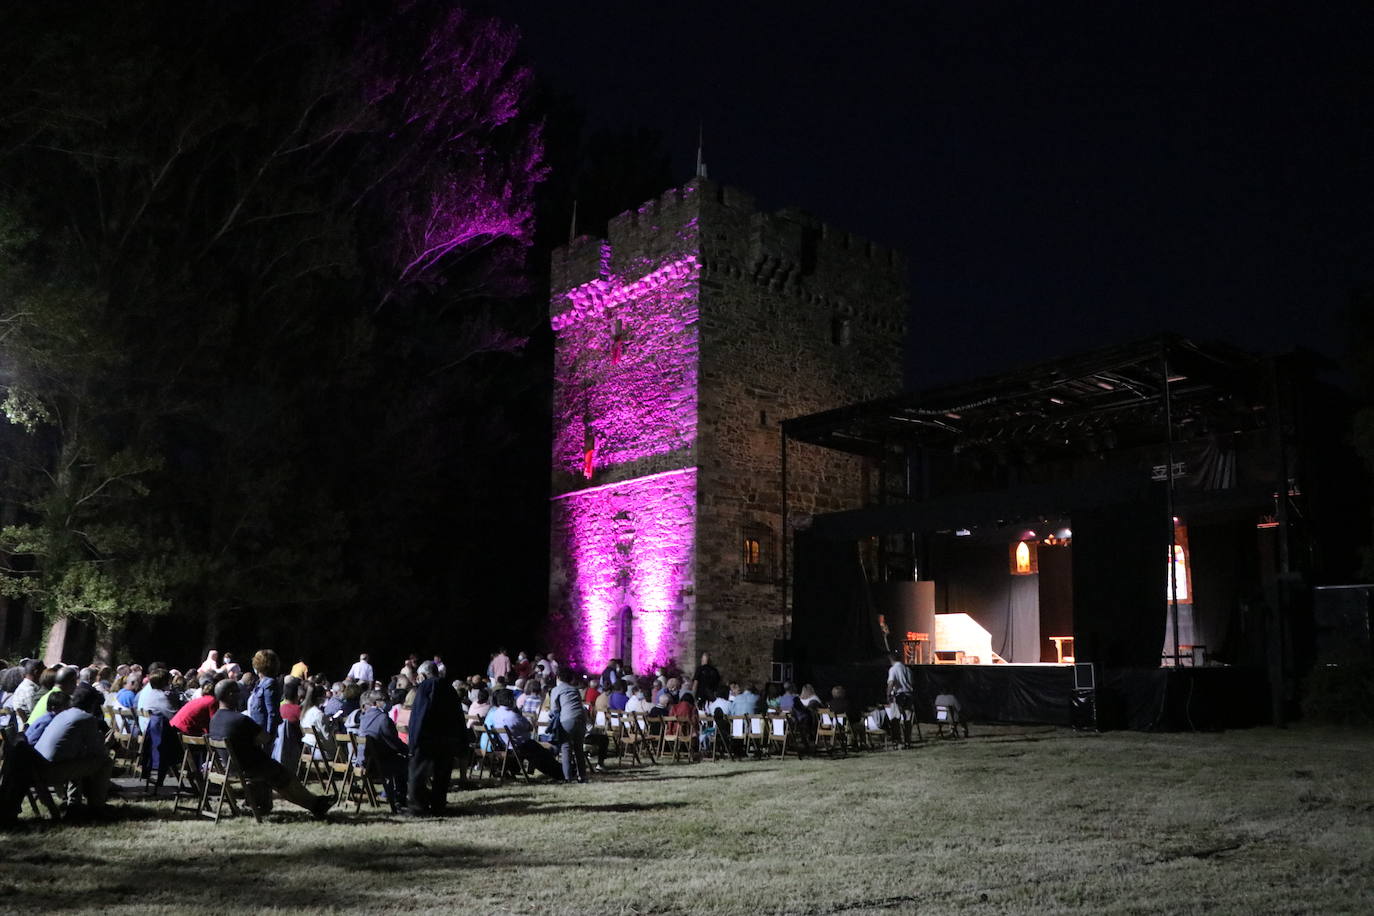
column 1083, row 676
column 1342, row 615
column 1083, row 714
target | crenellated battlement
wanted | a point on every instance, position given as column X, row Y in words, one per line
column 787, row 251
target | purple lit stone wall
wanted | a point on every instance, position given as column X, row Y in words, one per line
column 682, row 341
column 629, row 544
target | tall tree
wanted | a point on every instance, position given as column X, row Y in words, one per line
column 250, row 256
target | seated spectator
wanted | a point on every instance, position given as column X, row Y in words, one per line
column 480, row 706
column 300, row 670
column 590, row 696
column 788, row 697
column 808, row 697
column 635, row 702
column 503, row 715
column 400, row 715
column 247, row 741
column 720, row 703
column 46, row 680
column 58, row 702
column 194, row 718
column 532, row 700
column 312, row 713
column 231, row 667
column 128, row 694
column 334, row 703
column 618, row 700
column 153, row 698
column 211, row 664
column 73, row 743
column 745, row 703
column 839, row 703
column 291, row 701
column 385, row 747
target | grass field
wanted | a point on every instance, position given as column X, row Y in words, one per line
column 1011, row 821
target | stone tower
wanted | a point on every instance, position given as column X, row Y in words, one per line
column 681, row 341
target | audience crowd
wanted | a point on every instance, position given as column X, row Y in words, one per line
column 417, row 721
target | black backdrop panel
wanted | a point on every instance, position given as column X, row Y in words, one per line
column 832, row 620
column 1119, row 569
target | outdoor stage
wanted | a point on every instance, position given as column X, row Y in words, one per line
column 1145, row 699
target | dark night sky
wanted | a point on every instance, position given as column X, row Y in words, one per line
column 1059, row 175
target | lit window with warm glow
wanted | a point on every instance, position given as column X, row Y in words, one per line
column 1178, row 571
column 757, row 553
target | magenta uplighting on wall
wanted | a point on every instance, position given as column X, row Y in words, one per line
column 629, row 544
column 625, row 406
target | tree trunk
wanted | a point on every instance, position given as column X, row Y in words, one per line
column 56, row 642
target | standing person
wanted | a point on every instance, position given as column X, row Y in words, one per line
column 436, row 731
column 707, row 677
column 565, row 705
column 362, row 671
column 899, row 689
column 500, row 664
column 264, row 703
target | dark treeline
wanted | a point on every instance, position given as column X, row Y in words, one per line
column 272, row 347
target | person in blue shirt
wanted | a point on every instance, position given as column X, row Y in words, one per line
column 264, row 703
column 128, row 696
column 57, row 702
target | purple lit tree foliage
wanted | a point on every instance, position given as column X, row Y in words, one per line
column 236, row 236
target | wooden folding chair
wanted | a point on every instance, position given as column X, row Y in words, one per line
column 341, row 765
column 679, row 734
column 482, row 755
column 225, row 774
column 756, row 742
column 190, row 782
column 825, row 730
column 360, row 784
column 643, row 734
column 875, row 731
column 128, row 738
column 313, row 762
column 779, row 735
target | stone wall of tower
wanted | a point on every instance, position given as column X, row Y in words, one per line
column 796, row 317
column 682, row 340
column 626, row 358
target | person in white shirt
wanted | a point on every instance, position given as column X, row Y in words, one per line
column 637, row 702
column 900, row 690
column 361, row 671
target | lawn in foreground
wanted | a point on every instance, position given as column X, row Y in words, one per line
column 1011, row 821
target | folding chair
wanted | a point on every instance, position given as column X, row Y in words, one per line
column 875, row 731
column 129, row 739
column 226, row 775
column 341, row 765
column 481, row 754
column 509, row 752
column 360, row 784
column 313, row 762
column 757, row 741
column 779, row 734
column 190, row 784
column 677, row 733
column 643, row 734
column 949, row 712
column 825, row 730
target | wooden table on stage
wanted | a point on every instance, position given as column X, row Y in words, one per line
column 1059, row 648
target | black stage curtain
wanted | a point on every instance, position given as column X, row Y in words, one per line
column 833, row 621
column 1183, row 699
column 1120, row 558
column 1225, row 566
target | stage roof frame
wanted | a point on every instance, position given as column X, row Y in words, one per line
column 1111, row 397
